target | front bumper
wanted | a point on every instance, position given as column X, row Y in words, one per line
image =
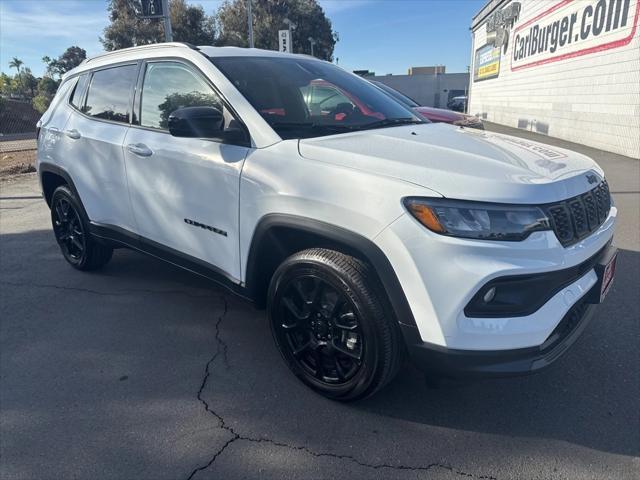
column 498, row 363
column 440, row 275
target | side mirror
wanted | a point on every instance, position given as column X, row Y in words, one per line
column 196, row 122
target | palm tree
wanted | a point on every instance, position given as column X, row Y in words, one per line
column 16, row 63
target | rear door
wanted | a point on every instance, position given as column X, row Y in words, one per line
column 184, row 191
column 95, row 133
column 51, row 139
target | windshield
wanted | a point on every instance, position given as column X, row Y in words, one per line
column 401, row 97
column 303, row 98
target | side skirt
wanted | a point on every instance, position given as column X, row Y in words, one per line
column 120, row 237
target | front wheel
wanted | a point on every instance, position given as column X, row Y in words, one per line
column 72, row 232
column 328, row 319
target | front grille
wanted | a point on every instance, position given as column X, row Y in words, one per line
column 575, row 218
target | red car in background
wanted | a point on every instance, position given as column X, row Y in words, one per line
column 436, row 115
column 325, row 99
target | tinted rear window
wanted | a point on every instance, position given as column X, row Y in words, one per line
column 401, row 97
column 109, row 93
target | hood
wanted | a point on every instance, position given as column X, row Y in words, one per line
column 461, row 163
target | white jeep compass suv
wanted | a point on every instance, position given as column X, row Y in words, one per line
column 366, row 231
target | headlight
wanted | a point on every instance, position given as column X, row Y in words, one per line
column 485, row 221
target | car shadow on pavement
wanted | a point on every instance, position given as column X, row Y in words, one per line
column 195, row 358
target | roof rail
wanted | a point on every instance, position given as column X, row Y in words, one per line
column 141, row 47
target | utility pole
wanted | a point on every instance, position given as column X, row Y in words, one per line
column 312, row 42
column 250, row 20
column 168, row 34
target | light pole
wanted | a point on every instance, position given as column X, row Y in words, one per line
column 312, row 42
column 291, row 26
column 250, row 20
column 168, row 34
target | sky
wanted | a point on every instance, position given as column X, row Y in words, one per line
column 384, row 36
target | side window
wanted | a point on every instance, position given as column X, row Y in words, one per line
column 169, row 86
column 109, row 94
column 328, row 98
column 78, row 91
column 323, row 100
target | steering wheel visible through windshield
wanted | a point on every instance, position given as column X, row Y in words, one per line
column 303, row 98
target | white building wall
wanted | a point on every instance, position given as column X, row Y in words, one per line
column 428, row 90
column 593, row 98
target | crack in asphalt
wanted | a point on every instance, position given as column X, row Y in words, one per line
column 107, row 294
column 222, row 350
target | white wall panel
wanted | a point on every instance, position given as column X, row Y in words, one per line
column 588, row 92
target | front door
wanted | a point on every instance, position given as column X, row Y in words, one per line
column 184, row 191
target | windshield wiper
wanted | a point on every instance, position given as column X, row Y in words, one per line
column 391, row 122
column 310, row 125
column 290, row 124
column 319, row 128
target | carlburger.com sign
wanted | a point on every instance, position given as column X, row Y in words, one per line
column 572, row 28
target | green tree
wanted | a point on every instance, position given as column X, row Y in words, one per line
column 6, row 84
column 45, row 91
column 268, row 18
column 25, row 84
column 189, row 24
column 126, row 28
column 70, row 59
column 16, row 63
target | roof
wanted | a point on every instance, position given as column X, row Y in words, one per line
column 123, row 51
column 245, row 52
column 206, row 49
column 126, row 54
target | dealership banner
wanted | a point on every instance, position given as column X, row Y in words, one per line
column 572, row 28
column 487, row 63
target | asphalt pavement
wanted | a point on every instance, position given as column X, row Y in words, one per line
column 144, row 371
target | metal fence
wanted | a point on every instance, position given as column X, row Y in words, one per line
column 8, row 145
column 17, row 120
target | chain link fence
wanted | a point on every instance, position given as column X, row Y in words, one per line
column 17, row 120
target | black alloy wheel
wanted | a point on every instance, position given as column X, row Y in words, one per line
column 71, row 230
column 329, row 321
column 320, row 327
column 68, row 230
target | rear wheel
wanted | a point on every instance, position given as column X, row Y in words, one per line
column 72, row 233
column 328, row 319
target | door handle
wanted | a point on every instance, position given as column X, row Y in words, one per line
column 139, row 149
column 74, row 134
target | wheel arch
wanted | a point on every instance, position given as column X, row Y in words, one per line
column 51, row 177
column 278, row 236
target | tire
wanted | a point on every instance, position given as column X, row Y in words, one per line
column 331, row 322
column 71, row 229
